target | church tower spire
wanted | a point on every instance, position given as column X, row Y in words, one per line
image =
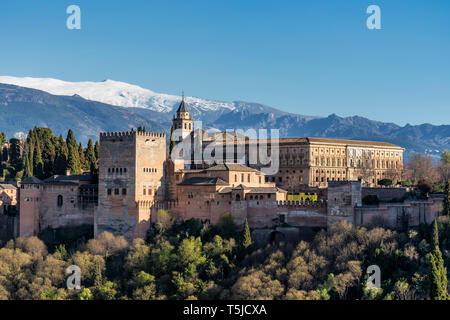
column 183, row 120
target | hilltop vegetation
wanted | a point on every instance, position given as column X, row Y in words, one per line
column 194, row 260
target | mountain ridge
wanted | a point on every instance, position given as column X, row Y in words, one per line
column 89, row 117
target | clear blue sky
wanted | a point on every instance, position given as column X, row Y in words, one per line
column 312, row 57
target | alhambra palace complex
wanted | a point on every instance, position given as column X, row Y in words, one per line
column 137, row 178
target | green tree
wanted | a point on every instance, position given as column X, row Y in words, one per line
column 446, row 204
column 98, row 276
column 62, row 154
column 190, row 251
column 97, row 149
column 91, row 159
column 247, row 236
column 83, row 162
column 28, row 168
column 5, row 154
column 15, row 153
column 38, row 164
column 145, row 287
column 2, row 139
column 172, row 142
column 437, row 273
column 73, row 164
column 86, row 294
column 108, row 291
column 226, row 226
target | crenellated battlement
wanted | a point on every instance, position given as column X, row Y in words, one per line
column 106, row 135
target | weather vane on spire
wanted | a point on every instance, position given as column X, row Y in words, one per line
column 182, row 94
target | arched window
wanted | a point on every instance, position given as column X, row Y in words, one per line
column 60, row 201
column 238, row 197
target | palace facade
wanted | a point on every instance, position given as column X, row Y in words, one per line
column 137, row 177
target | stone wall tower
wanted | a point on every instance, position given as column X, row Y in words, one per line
column 131, row 182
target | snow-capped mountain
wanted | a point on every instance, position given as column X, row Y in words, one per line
column 121, row 94
column 91, row 107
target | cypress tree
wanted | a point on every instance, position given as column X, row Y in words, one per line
column 247, row 237
column 62, row 153
column 172, row 142
column 98, row 277
column 435, row 240
column 28, row 168
column 446, row 210
column 5, row 154
column 91, row 159
column 83, row 162
column 2, row 139
column 97, row 149
column 38, row 164
column 438, row 273
column 73, row 160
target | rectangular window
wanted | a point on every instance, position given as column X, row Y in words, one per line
column 124, row 191
column 116, row 191
column 109, row 192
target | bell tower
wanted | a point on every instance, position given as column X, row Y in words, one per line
column 183, row 121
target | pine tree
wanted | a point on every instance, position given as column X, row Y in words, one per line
column 438, row 273
column 91, row 159
column 73, row 160
column 38, row 164
column 247, row 237
column 446, row 210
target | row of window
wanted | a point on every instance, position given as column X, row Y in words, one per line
column 242, row 178
column 367, row 152
column 187, row 126
column 291, row 162
column 117, row 170
column 330, row 162
column 152, row 170
column 377, row 165
column 117, row 191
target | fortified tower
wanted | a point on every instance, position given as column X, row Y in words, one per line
column 131, row 181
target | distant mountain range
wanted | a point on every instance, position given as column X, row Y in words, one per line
column 91, row 107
